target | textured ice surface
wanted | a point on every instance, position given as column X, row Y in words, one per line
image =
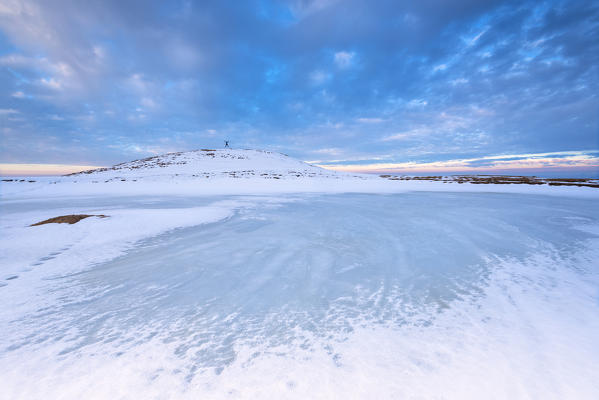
column 423, row 295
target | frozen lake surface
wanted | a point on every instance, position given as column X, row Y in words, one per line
column 414, row 295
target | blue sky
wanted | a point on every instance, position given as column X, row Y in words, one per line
column 467, row 85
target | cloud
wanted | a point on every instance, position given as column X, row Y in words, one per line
column 319, row 77
column 50, row 83
column 577, row 159
column 148, row 102
column 410, row 134
column 8, row 111
column 415, row 103
column 183, row 56
column 344, row 59
column 328, row 151
column 423, row 81
column 440, row 67
column 303, row 9
column 450, row 127
column 458, row 81
column 370, row 120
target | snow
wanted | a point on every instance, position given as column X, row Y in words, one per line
column 325, row 285
column 230, row 172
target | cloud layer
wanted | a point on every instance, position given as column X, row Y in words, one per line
column 98, row 82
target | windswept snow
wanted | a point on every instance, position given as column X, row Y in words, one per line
column 198, row 285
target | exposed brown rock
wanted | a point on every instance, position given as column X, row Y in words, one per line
column 501, row 180
column 67, row 219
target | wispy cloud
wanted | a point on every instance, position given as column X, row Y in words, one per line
column 566, row 159
column 370, row 120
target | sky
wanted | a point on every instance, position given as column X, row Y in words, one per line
column 426, row 86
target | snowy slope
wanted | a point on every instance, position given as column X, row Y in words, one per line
column 207, row 163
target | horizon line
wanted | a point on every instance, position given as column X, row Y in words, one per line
column 32, row 169
column 8, row 170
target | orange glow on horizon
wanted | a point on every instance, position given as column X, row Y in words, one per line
column 42, row 169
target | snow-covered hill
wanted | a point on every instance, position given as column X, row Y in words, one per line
column 228, row 171
column 208, row 163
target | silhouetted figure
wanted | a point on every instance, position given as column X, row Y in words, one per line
column 227, row 144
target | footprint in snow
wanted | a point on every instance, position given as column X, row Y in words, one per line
column 51, row 256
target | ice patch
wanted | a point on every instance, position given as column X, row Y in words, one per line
column 350, row 296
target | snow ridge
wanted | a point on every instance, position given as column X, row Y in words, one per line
column 213, row 163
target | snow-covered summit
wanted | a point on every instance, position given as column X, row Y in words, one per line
column 212, row 163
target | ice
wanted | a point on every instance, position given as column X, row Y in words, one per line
column 413, row 295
